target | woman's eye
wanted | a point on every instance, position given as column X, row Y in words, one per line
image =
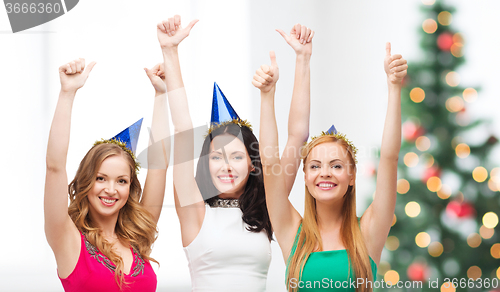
column 238, row 157
column 100, row 178
column 123, row 181
column 215, row 158
column 337, row 166
column 314, row 166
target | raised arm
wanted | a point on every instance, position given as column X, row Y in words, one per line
column 62, row 234
column 284, row 218
column 159, row 145
column 376, row 225
column 189, row 202
column 300, row 39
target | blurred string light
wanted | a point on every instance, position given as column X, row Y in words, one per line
column 454, row 104
column 423, row 143
column 470, row 95
column 452, row 79
column 486, row 232
column 403, row 186
column 423, row 239
column 428, row 2
column 474, row 240
column 429, row 26
column 480, row 174
column 462, row 150
column 383, row 267
column 428, row 159
column 417, row 95
column 462, row 119
column 445, row 18
column 410, row 159
column 394, row 220
column 492, row 185
column 412, row 209
column 474, row 272
column 495, row 174
column 392, row 277
column 458, row 43
column 434, row 184
column 435, row 249
column 447, row 287
column 490, row 220
column 495, row 251
column 498, row 273
column 392, row 243
column 445, row 192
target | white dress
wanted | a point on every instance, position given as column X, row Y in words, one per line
column 225, row 256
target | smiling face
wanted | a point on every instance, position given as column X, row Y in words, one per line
column 328, row 172
column 229, row 165
column 111, row 188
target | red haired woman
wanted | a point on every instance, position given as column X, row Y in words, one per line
column 103, row 240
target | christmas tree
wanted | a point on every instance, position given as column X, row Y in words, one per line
column 447, row 205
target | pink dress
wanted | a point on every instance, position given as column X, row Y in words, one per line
column 95, row 272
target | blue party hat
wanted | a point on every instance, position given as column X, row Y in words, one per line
column 130, row 135
column 127, row 140
column 222, row 111
column 332, row 130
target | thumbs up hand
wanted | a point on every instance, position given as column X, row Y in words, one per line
column 300, row 39
column 265, row 77
column 395, row 66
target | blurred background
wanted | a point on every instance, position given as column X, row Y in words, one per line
column 446, row 217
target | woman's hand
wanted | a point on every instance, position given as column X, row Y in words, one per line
column 157, row 77
column 265, row 77
column 395, row 66
column 170, row 33
column 73, row 75
column 300, row 39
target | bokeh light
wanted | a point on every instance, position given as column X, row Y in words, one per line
column 423, row 239
column 403, row 186
column 474, row 240
column 428, row 2
column 394, row 220
column 452, row 79
column 417, row 95
column 447, row 287
column 445, row 192
column 435, row 249
column 495, row 174
column 429, row 26
column 434, row 184
column 428, row 160
column 410, row 159
column 462, row 150
column 391, row 277
column 383, row 267
column 454, row 104
column 445, row 18
column 423, row 143
column 490, row 220
column 470, row 95
column 492, row 185
column 474, row 272
column 458, row 38
column 456, row 50
column 480, row 174
column 392, row 243
column 487, row 233
column 412, row 209
column 495, row 250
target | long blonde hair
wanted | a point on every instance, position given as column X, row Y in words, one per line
column 135, row 225
column 309, row 239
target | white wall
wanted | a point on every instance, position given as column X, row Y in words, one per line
column 231, row 40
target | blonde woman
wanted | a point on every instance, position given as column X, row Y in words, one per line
column 103, row 240
column 330, row 248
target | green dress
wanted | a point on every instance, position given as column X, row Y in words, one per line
column 326, row 271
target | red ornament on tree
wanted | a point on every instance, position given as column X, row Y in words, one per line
column 417, row 272
column 411, row 131
column 445, row 41
column 462, row 210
